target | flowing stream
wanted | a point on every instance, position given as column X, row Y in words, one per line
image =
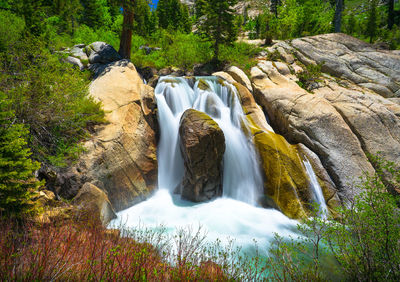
column 235, row 215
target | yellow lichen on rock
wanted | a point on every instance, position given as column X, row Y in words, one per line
column 285, row 179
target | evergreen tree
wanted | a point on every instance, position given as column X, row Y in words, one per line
column 144, row 24
column 96, row 13
column 372, row 20
column 274, row 6
column 68, row 12
column 16, row 169
column 199, row 7
column 219, row 24
column 172, row 14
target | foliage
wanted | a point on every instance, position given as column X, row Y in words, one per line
column 365, row 242
column 218, row 25
column 11, row 28
column 96, row 13
column 310, row 75
column 54, row 106
column 145, row 21
column 372, row 20
column 240, row 54
column 17, row 181
column 173, row 15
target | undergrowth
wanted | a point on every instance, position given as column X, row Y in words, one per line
column 89, row 252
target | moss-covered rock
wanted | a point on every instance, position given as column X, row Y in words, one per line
column 286, row 182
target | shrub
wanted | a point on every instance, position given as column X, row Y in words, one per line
column 365, row 242
column 240, row 54
column 310, row 75
column 11, row 28
column 55, row 107
column 81, row 252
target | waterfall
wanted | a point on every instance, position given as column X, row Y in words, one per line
column 242, row 179
column 316, row 189
column 235, row 215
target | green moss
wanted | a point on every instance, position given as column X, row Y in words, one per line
column 203, row 85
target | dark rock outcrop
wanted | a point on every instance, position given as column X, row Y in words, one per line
column 202, row 144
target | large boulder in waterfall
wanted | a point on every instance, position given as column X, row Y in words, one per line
column 93, row 204
column 349, row 58
column 101, row 53
column 120, row 157
column 202, row 144
column 305, row 118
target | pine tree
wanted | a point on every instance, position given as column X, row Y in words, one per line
column 372, row 20
column 96, row 13
column 199, row 7
column 16, row 169
column 172, row 14
column 219, row 25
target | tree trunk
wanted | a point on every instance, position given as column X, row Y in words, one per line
column 126, row 35
column 390, row 14
column 338, row 16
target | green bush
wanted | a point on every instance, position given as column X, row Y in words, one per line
column 310, row 75
column 365, row 242
column 240, row 54
column 187, row 50
column 87, row 35
column 11, row 28
column 54, row 106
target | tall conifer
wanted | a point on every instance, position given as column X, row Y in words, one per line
column 16, row 169
column 219, row 23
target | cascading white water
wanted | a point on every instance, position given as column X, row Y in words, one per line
column 316, row 189
column 241, row 176
column 233, row 216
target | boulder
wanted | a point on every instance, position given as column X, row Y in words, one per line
column 252, row 111
column 225, row 76
column 101, row 52
column 346, row 57
column 238, row 75
column 75, row 61
column 202, row 144
column 78, row 52
column 93, row 204
column 120, row 157
column 302, row 117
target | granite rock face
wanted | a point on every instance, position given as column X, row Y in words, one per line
column 120, row 157
column 349, row 58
